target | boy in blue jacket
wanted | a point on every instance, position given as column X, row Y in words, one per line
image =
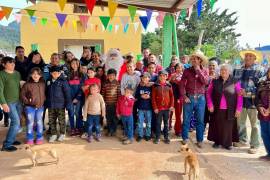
column 58, row 98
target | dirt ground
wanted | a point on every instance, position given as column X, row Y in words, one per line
column 110, row 160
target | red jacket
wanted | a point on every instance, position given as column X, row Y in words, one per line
column 124, row 106
column 162, row 96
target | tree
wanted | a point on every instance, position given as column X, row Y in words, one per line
column 153, row 41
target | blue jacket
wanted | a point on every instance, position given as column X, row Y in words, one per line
column 143, row 104
column 58, row 94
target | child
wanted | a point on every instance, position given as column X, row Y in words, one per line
column 143, row 96
column 75, row 83
column 111, row 92
column 151, row 68
column 94, row 107
column 124, row 112
column 91, row 80
column 33, row 97
column 162, row 101
column 58, row 98
column 9, row 100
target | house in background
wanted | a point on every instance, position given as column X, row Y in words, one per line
column 51, row 37
column 266, row 54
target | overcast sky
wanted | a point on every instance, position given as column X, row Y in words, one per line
column 254, row 21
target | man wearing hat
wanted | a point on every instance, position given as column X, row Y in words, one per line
column 249, row 75
column 192, row 88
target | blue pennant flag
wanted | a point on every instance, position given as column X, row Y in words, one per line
column 144, row 21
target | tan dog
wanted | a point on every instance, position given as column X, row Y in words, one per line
column 38, row 153
column 191, row 160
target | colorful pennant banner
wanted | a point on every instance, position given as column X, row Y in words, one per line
column 30, row 12
column 199, row 7
column 61, row 18
column 18, row 17
column 7, row 11
column 144, row 21
column 112, row 8
column 90, row 5
column 44, row 21
column 62, row 4
column 160, row 18
column 136, row 26
column 126, row 28
column 132, row 12
column 124, row 20
column 149, row 14
column 84, row 20
column 105, row 21
column 33, row 20
column 2, row 15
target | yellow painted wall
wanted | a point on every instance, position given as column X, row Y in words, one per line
column 47, row 36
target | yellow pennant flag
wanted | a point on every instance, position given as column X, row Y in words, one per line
column 62, row 4
column 7, row 11
column 112, row 7
column 74, row 23
column 55, row 23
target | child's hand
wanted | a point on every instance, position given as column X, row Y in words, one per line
column 171, row 109
column 104, row 121
column 156, row 111
column 118, row 116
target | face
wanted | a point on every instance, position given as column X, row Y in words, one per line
column 184, row 60
column 145, row 80
column 152, row 58
column 10, row 66
column 55, row 75
column 36, row 59
column 162, row 77
column 95, row 57
column 212, row 68
column 100, row 72
column 128, row 92
column 91, row 73
column 174, row 61
column 84, row 69
column 146, row 53
column 139, row 65
column 111, row 77
column 69, row 57
column 224, row 73
column 195, row 61
column 151, row 68
column 20, row 52
column 55, row 60
column 74, row 65
column 113, row 56
column 35, row 76
column 94, row 90
column 130, row 68
column 179, row 69
column 87, row 53
column 249, row 59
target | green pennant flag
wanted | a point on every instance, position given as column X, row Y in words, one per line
column 212, row 3
column 183, row 14
column 132, row 12
column 34, row 47
column 44, row 21
column 110, row 28
column 105, row 21
column 98, row 48
column 30, row 12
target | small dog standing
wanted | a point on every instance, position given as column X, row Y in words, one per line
column 38, row 153
column 191, row 160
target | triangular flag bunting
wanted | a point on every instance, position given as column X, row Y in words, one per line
column 30, row 12
column 110, row 28
column 105, row 21
column 32, row 1
column 62, row 4
column 90, row 5
column 2, row 15
column 84, row 20
column 66, row 23
column 7, row 11
column 61, row 18
column 149, row 14
column 124, row 20
column 183, row 14
column 212, row 3
column 126, row 28
column 132, row 12
column 96, row 27
column 44, row 21
column 18, row 17
column 199, row 7
column 136, row 26
column 144, row 21
column 74, row 24
column 33, row 20
column 116, row 28
column 160, row 18
column 55, row 23
column 112, row 7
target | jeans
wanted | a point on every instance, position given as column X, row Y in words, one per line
column 197, row 105
column 162, row 115
column 242, row 128
column 265, row 133
column 144, row 116
column 128, row 126
column 73, row 112
column 112, row 120
column 93, row 121
column 34, row 116
column 15, row 110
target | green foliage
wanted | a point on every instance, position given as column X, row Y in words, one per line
column 10, row 37
column 153, row 41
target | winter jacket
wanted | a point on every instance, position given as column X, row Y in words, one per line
column 143, row 104
column 21, row 67
column 58, row 94
column 33, row 94
column 162, row 96
column 124, row 106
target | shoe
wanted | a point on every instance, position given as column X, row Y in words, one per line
column 156, row 141
column 126, row 142
column 98, row 137
column 215, row 145
column 39, row 142
column 61, row 138
column 147, row 138
column 77, row 132
column 30, row 142
column 167, row 141
column 239, row 144
column 89, row 139
column 73, row 132
column 252, row 150
column 265, row 158
column 139, row 139
column 184, row 142
column 124, row 138
column 84, row 136
column 52, row 138
column 199, row 145
column 16, row 143
column 9, row 149
column 228, row 148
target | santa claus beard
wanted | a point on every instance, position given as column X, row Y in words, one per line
column 114, row 62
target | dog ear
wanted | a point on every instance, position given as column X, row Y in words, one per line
column 187, row 149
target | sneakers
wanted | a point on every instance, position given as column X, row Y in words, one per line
column 52, row 138
column 239, row 144
column 139, row 139
column 16, row 143
column 215, row 145
column 252, row 150
column 228, row 148
column 89, row 139
column 167, row 141
column 156, row 141
column 147, row 138
column 124, row 138
column 39, row 142
column 128, row 141
column 98, row 136
column 199, row 145
column 30, row 142
column 61, row 138
column 9, row 149
column 84, row 136
column 73, row 132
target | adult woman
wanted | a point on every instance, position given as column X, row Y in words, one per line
column 35, row 60
column 225, row 101
column 263, row 106
column 96, row 62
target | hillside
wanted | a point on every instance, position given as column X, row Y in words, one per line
column 9, row 37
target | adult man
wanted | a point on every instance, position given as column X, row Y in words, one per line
column 21, row 62
column 86, row 56
column 146, row 53
column 114, row 60
column 249, row 75
column 192, row 88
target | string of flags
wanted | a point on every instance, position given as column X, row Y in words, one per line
column 61, row 17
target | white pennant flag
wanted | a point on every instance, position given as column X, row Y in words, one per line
column 124, row 20
column 18, row 17
column 136, row 26
column 116, row 28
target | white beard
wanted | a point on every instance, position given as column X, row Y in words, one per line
column 115, row 63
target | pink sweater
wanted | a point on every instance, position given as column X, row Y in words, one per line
column 223, row 103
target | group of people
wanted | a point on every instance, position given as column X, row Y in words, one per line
column 99, row 92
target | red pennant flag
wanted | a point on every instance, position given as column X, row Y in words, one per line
column 90, row 5
column 2, row 15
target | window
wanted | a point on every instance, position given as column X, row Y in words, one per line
column 80, row 9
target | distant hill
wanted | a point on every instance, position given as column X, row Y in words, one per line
column 9, row 37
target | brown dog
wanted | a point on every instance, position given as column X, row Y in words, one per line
column 38, row 153
column 191, row 160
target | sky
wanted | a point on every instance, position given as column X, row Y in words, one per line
column 254, row 23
